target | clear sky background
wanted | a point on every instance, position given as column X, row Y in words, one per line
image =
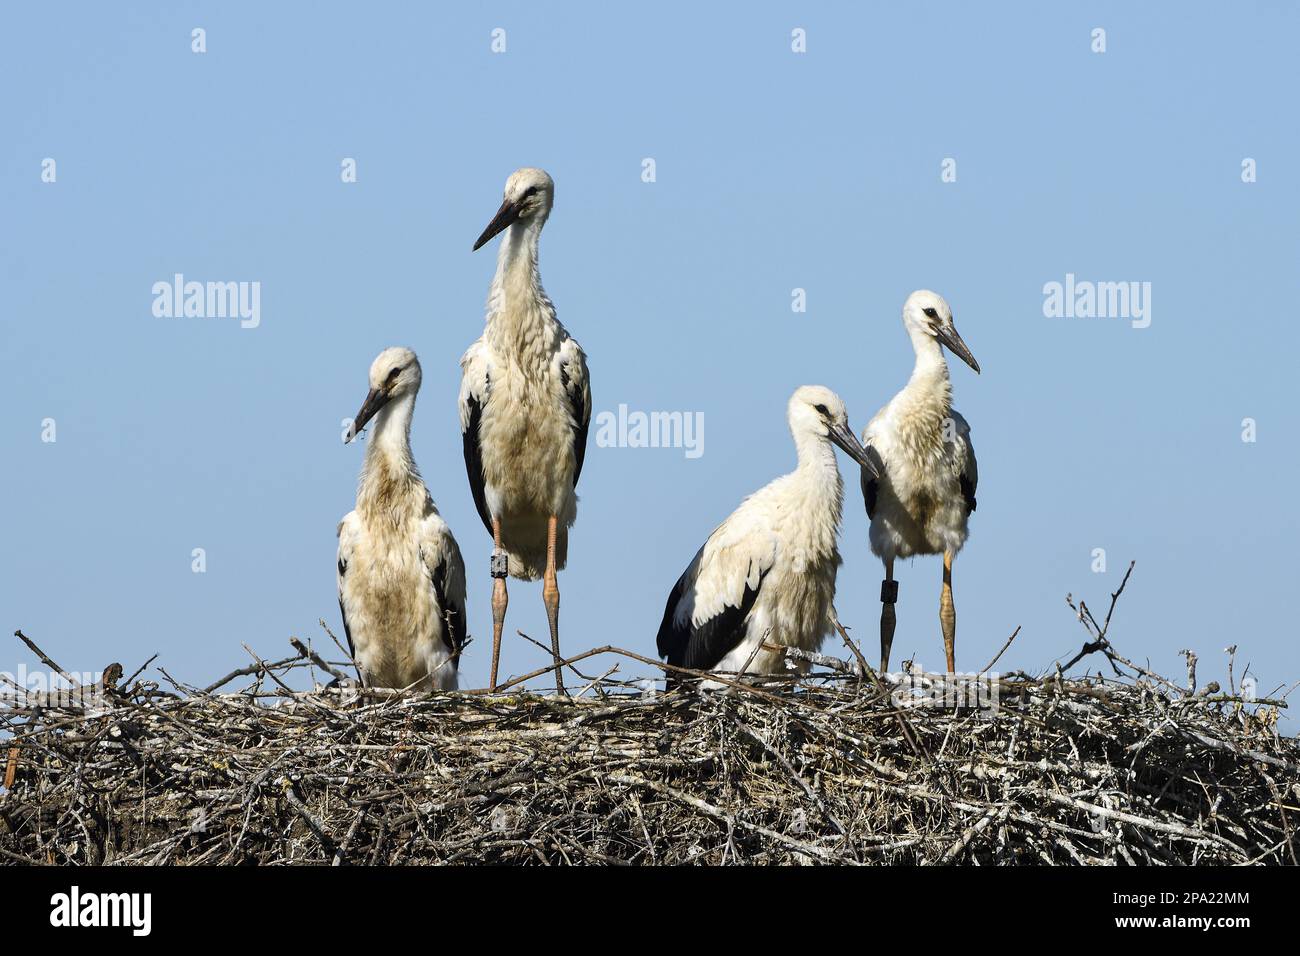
column 775, row 171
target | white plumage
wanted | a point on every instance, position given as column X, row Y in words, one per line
column 767, row 573
column 525, row 406
column 400, row 573
column 922, row 503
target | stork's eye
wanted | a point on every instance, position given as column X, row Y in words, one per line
column 822, row 409
column 530, row 191
column 931, row 313
column 392, row 376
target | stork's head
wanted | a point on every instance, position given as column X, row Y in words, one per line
column 394, row 374
column 528, row 196
column 927, row 313
column 816, row 410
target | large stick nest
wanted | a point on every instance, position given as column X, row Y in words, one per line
column 837, row 768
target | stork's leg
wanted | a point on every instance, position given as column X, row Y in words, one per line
column 948, row 613
column 551, row 597
column 500, row 568
column 888, row 597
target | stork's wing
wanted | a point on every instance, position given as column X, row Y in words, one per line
column 348, row 529
column 968, row 492
column 707, row 612
column 870, row 491
column 442, row 559
column 475, row 384
column 871, row 483
column 964, row 458
column 577, row 391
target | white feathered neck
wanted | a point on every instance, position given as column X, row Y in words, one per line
column 391, row 488
column 812, row 495
column 521, row 322
column 925, row 403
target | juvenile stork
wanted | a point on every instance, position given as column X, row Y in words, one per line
column 922, row 502
column 766, row 575
column 400, row 574
column 524, row 410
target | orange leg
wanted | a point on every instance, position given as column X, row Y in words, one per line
column 499, row 597
column 551, row 597
column 948, row 614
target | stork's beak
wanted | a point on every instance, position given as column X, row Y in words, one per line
column 844, row 437
column 376, row 399
column 507, row 214
column 947, row 335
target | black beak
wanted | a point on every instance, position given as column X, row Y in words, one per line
column 947, row 335
column 844, row 437
column 507, row 214
column 376, row 399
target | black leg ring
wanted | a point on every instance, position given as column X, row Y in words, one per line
column 888, row 592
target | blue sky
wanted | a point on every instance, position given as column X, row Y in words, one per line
column 775, row 170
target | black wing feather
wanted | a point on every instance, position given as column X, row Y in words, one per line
column 968, row 492
column 870, row 483
column 702, row 647
column 581, row 423
column 672, row 639
column 347, row 631
column 453, row 633
column 474, row 461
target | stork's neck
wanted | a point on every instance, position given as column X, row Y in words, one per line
column 815, row 494
column 517, row 257
column 817, row 470
column 521, row 320
column 390, row 482
column 929, row 381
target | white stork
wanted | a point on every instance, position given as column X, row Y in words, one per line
column 525, row 406
column 767, row 573
column 401, row 577
column 922, row 502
